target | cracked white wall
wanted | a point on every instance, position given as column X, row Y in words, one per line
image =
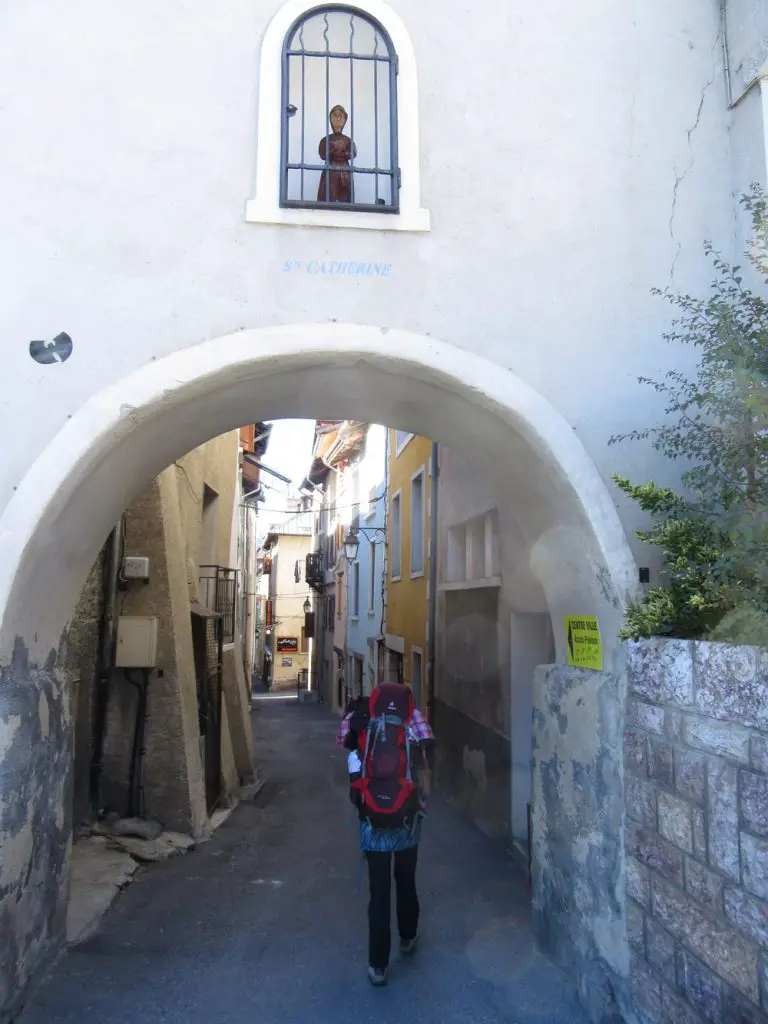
column 744, row 31
column 686, row 165
column 549, row 164
column 746, row 27
column 573, row 156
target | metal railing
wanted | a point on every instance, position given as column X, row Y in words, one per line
column 314, row 573
column 218, row 591
column 302, row 680
column 296, row 524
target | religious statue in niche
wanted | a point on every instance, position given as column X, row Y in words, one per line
column 337, row 150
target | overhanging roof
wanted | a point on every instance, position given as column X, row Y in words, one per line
column 265, row 469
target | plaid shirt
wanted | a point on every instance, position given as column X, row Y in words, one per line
column 419, row 728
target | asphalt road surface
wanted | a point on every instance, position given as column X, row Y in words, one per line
column 264, row 923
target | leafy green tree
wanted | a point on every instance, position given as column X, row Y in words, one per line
column 714, row 535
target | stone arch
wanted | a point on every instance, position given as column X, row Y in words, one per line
column 64, row 508
column 52, row 528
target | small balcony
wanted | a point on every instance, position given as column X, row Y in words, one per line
column 314, row 572
column 218, row 592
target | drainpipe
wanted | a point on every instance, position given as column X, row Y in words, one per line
column 136, row 806
column 726, row 53
column 106, row 658
column 432, row 586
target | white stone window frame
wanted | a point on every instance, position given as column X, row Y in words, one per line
column 354, row 587
column 402, row 443
column 396, row 531
column 265, row 206
column 421, row 476
column 417, row 651
column 371, row 587
column 460, row 553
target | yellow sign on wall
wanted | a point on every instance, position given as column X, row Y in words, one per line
column 584, row 647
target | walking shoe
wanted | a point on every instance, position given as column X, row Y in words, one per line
column 408, row 946
column 377, row 976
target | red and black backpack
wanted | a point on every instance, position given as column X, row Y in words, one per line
column 388, row 793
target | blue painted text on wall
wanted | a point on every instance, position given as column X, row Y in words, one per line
column 338, row 268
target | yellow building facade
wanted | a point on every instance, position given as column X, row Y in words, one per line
column 406, row 641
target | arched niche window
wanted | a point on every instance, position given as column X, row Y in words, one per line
column 363, row 61
column 339, row 128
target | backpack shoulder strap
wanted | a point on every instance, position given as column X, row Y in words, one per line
column 371, row 730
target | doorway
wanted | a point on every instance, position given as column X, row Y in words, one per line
column 208, row 647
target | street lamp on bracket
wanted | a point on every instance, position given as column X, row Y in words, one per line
column 352, row 541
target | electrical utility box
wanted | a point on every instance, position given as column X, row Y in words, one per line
column 136, row 641
column 135, row 568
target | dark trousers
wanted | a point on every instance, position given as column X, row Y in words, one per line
column 380, row 903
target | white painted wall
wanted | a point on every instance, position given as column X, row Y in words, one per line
column 77, row 487
column 530, row 645
column 523, row 628
column 746, row 24
column 570, row 159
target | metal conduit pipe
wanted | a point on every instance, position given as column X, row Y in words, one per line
column 432, row 585
column 136, row 803
column 113, row 558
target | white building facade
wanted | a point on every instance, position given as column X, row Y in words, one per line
column 287, row 546
column 177, row 251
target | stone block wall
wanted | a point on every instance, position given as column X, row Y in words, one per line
column 81, row 666
column 696, row 782
column 578, row 894
column 173, row 781
column 35, row 821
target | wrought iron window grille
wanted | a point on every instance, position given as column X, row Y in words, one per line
column 337, row 58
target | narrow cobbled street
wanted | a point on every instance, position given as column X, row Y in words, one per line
column 264, row 922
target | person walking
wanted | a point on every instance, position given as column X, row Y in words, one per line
column 390, row 762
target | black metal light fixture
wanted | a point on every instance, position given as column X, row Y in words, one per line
column 307, row 606
column 352, row 540
column 351, row 546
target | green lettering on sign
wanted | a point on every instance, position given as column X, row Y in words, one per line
column 584, row 647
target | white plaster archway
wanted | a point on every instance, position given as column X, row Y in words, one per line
column 53, row 527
